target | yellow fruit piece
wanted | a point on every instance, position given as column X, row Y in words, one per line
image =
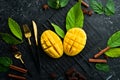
column 51, row 44
column 74, row 41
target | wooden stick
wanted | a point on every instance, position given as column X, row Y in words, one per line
column 101, row 52
column 18, row 69
column 17, row 77
column 85, row 4
column 98, row 60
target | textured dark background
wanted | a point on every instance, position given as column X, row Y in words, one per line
column 97, row 27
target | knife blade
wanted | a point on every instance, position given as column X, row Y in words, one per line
column 36, row 40
column 35, row 32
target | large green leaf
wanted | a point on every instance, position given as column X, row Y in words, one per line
column 57, row 3
column 114, row 40
column 97, row 6
column 110, row 8
column 113, row 52
column 102, row 67
column 58, row 30
column 75, row 17
column 5, row 62
column 15, row 28
column 9, row 39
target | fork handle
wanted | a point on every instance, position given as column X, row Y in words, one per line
column 29, row 41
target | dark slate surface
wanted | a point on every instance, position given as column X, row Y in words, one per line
column 97, row 27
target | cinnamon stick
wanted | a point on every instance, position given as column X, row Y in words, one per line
column 18, row 69
column 85, row 4
column 98, row 60
column 101, row 52
column 17, row 77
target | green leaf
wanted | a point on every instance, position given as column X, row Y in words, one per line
column 15, row 28
column 113, row 52
column 5, row 61
column 114, row 40
column 53, row 4
column 96, row 6
column 75, row 17
column 110, row 8
column 63, row 3
column 9, row 38
column 56, row 4
column 102, row 67
column 58, row 30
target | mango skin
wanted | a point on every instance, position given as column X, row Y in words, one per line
column 52, row 44
column 74, row 41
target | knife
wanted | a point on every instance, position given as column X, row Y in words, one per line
column 36, row 40
column 35, row 32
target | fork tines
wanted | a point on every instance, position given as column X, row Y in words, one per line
column 27, row 32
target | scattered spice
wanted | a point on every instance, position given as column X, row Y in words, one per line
column 88, row 12
column 80, row 76
column 70, row 71
column 18, row 69
column 98, row 60
column 84, row 4
column 85, row 11
column 14, row 48
column 53, row 75
column 45, row 7
column 72, row 74
column 17, row 77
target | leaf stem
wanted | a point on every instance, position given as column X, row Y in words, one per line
column 101, row 52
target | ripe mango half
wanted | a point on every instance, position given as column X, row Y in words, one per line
column 52, row 44
column 74, row 41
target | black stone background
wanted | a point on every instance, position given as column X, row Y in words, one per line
column 98, row 28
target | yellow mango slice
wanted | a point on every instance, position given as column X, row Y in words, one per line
column 51, row 44
column 74, row 41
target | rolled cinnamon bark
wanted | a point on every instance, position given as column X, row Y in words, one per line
column 18, row 69
column 85, row 4
column 101, row 52
column 98, row 60
column 17, row 77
